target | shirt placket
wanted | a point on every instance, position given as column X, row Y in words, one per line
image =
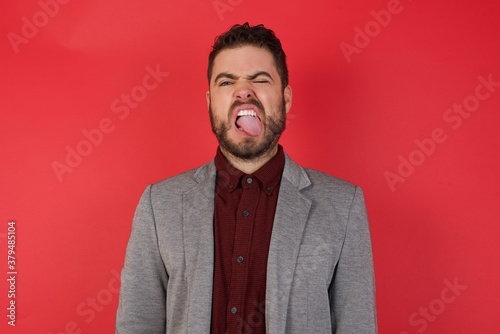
column 245, row 219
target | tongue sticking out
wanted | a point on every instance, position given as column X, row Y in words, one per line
column 250, row 125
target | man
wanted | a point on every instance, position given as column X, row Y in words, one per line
column 250, row 242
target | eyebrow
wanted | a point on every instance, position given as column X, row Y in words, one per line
column 249, row 77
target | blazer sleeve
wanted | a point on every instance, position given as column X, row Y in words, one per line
column 352, row 291
column 142, row 303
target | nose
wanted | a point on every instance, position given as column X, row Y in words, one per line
column 243, row 91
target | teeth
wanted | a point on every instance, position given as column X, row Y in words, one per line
column 247, row 113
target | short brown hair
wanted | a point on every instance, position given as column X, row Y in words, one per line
column 244, row 34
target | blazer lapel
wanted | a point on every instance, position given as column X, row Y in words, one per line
column 289, row 223
column 198, row 207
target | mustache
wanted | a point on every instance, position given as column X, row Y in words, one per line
column 249, row 101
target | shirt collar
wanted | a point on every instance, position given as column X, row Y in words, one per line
column 269, row 174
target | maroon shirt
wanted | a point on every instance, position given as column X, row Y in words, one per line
column 243, row 222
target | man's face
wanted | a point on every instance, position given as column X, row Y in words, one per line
column 246, row 102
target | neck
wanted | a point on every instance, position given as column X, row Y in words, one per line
column 249, row 166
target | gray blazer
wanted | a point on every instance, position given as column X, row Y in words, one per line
column 319, row 274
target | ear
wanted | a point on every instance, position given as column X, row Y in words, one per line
column 287, row 95
column 208, row 99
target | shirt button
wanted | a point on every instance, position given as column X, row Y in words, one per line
column 246, row 213
column 239, row 259
column 234, row 310
column 249, row 180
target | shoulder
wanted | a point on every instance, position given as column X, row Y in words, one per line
column 325, row 186
column 321, row 179
column 185, row 181
column 320, row 185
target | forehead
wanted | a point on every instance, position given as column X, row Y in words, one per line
column 244, row 60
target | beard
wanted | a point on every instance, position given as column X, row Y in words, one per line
column 250, row 148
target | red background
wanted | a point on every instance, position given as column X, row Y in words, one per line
column 354, row 116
